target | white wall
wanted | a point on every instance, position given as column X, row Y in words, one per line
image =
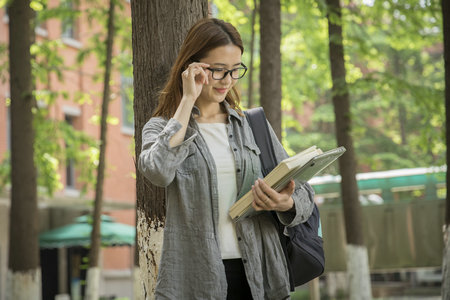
column 117, row 282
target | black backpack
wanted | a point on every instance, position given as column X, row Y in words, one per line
column 303, row 247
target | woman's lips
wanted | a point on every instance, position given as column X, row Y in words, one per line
column 221, row 91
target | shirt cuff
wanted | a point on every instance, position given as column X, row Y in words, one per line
column 172, row 127
column 303, row 205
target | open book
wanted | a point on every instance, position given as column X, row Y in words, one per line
column 300, row 167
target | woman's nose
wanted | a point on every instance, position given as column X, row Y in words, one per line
column 227, row 78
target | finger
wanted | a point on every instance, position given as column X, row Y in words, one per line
column 257, row 207
column 204, row 76
column 194, row 74
column 267, row 189
column 199, row 64
column 195, row 67
column 265, row 200
column 190, row 70
column 258, row 203
column 289, row 188
column 207, row 75
column 200, row 75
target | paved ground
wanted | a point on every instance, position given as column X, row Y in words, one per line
column 411, row 297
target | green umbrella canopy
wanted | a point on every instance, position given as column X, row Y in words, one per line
column 79, row 234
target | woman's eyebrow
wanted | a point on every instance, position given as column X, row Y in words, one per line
column 224, row 65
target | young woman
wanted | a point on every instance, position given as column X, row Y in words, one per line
column 200, row 147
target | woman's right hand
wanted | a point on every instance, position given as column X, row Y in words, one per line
column 194, row 77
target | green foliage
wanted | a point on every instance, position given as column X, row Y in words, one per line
column 239, row 14
column 5, row 171
column 47, row 60
column 4, row 62
column 50, row 151
column 56, row 141
column 393, row 52
column 97, row 13
column 400, row 88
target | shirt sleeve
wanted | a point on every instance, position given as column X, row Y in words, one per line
column 303, row 195
column 158, row 161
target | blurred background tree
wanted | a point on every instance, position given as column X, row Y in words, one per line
column 395, row 76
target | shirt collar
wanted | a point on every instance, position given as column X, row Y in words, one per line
column 231, row 112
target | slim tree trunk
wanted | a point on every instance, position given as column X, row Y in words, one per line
column 270, row 67
column 398, row 71
column 93, row 274
column 158, row 30
column 446, row 257
column 357, row 258
column 24, row 274
column 252, row 50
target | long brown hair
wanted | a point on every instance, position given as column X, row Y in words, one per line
column 206, row 35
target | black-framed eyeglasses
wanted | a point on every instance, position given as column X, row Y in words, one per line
column 221, row 73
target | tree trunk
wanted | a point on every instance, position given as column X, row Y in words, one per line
column 158, row 30
column 446, row 257
column 357, row 258
column 24, row 274
column 252, row 50
column 399, row 71
column 93, row 273
column 270, row 67
column 138, row 290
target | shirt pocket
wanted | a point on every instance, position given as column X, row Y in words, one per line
column 251, row 156
column 190, row 163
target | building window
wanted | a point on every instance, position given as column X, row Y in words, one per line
column 70, row 165
column 41, row 26
column 126, row 91
column 69, row 23
column 6, row 15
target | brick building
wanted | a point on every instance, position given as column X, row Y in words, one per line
column 67, row 203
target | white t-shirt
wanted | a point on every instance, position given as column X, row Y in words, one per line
column 216, row 137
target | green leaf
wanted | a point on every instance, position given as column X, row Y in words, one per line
column 36, row 6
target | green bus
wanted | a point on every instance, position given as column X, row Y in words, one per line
column 403, row 214
column 386, row 186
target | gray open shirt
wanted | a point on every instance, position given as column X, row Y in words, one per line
column 191, row 266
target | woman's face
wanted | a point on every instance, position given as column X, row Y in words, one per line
column 224, row 57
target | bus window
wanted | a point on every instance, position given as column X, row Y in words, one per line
column 370, row 197
column 408, row 193
column 441, row 190
column 328, row 198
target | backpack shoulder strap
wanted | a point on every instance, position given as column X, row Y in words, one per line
column 258, row 123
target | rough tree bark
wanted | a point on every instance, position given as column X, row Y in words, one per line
column 270, row 67
column 137, row 278
column 446, row 257
column 357, row 257
column 93, row 273
column 158, row 30
column 24, row 274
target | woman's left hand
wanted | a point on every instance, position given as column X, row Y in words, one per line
column 266, row 198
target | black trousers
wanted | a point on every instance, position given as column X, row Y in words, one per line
column 238, row 288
